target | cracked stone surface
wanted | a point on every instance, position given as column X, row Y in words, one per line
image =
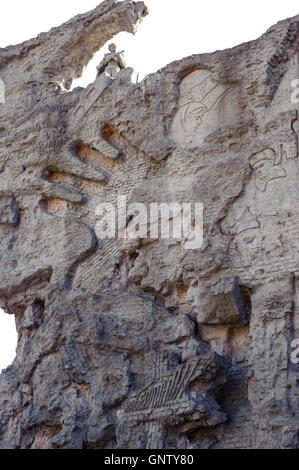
column 144, row 343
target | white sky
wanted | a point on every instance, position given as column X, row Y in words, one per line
column 174, row 29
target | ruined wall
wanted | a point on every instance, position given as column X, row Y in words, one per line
column 143, row 343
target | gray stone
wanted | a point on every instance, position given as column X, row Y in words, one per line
column 144, row 343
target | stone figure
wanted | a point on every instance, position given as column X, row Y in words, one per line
column 112, row 62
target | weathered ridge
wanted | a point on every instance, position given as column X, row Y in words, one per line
column 142, row 343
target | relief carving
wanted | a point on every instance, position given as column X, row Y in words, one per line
column 205, row 104
column 261, row 221
column 167, row 399
column 119, row 340
column 266, row 168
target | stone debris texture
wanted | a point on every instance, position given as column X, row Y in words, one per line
column 143, row 343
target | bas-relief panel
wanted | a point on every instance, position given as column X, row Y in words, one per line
column 264, row 223
column 204, row 106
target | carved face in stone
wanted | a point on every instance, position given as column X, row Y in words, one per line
column 112, row 48
column 205, row 105
column 265, row 169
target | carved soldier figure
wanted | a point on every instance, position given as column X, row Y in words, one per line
column 241, row 219
column 112, row 62
column 266, row 168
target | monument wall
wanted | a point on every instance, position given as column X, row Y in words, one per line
column 140, row 342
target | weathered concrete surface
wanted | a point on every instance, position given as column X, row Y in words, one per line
column 147, row 344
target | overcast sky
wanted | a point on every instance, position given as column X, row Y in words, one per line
column 173, row 30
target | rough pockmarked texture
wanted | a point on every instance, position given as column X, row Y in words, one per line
column 144, row 343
